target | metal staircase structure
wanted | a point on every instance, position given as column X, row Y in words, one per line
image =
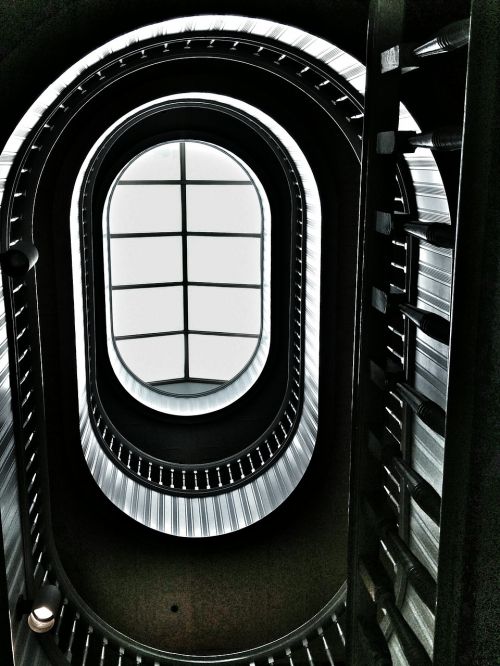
column 425, row 398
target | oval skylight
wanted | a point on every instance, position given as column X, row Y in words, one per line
column 184, row 244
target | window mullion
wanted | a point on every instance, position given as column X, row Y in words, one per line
column 182, row 153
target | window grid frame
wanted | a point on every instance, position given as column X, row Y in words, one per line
column 184, row 234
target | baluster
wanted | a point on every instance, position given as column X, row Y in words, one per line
column 440, row 235
column 310, row 660
column 326, row 647
column 121, row 652
column 449, row 38
column 417, row 574
column 430, row 323
column 339, row 621
column 420, row 490
column 59, row 621
column 242, row 473
column 443, row 140
column 378, row 586
column 68, row 654
column 427, row 410
column 103, row 651
column 407, row 56
column 288, row 653
column 87, row 644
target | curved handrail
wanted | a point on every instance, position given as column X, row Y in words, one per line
column 242, row 467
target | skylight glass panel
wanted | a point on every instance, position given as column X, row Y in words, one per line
column 185, row 267
column 229, row 209
column 221, row 259
column 219, row 356
column 159, row 163
column 154, row 359
column 224, row 309
column 146, row 260
column 145, row 208
column 205, row 163
column 143, row 311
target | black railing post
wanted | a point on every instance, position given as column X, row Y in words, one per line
column 378, row 191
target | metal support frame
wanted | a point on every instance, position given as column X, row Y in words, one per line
column 381, row 114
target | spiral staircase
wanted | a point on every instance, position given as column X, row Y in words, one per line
column 352, row 520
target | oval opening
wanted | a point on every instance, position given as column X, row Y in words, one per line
column 184, row 242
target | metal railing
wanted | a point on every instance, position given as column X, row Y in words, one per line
column 241, row 468
column 80, row 636
column 385, row 487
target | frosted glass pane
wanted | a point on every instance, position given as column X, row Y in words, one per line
column 203, row 162
column 235, row 260
column 224, row 309
column 219, row 357
column 187, row 388
column 143, row 260
column 145, row 208
column 223, row 208
column 159, row 163
column 147, row 310
column 154, row 359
